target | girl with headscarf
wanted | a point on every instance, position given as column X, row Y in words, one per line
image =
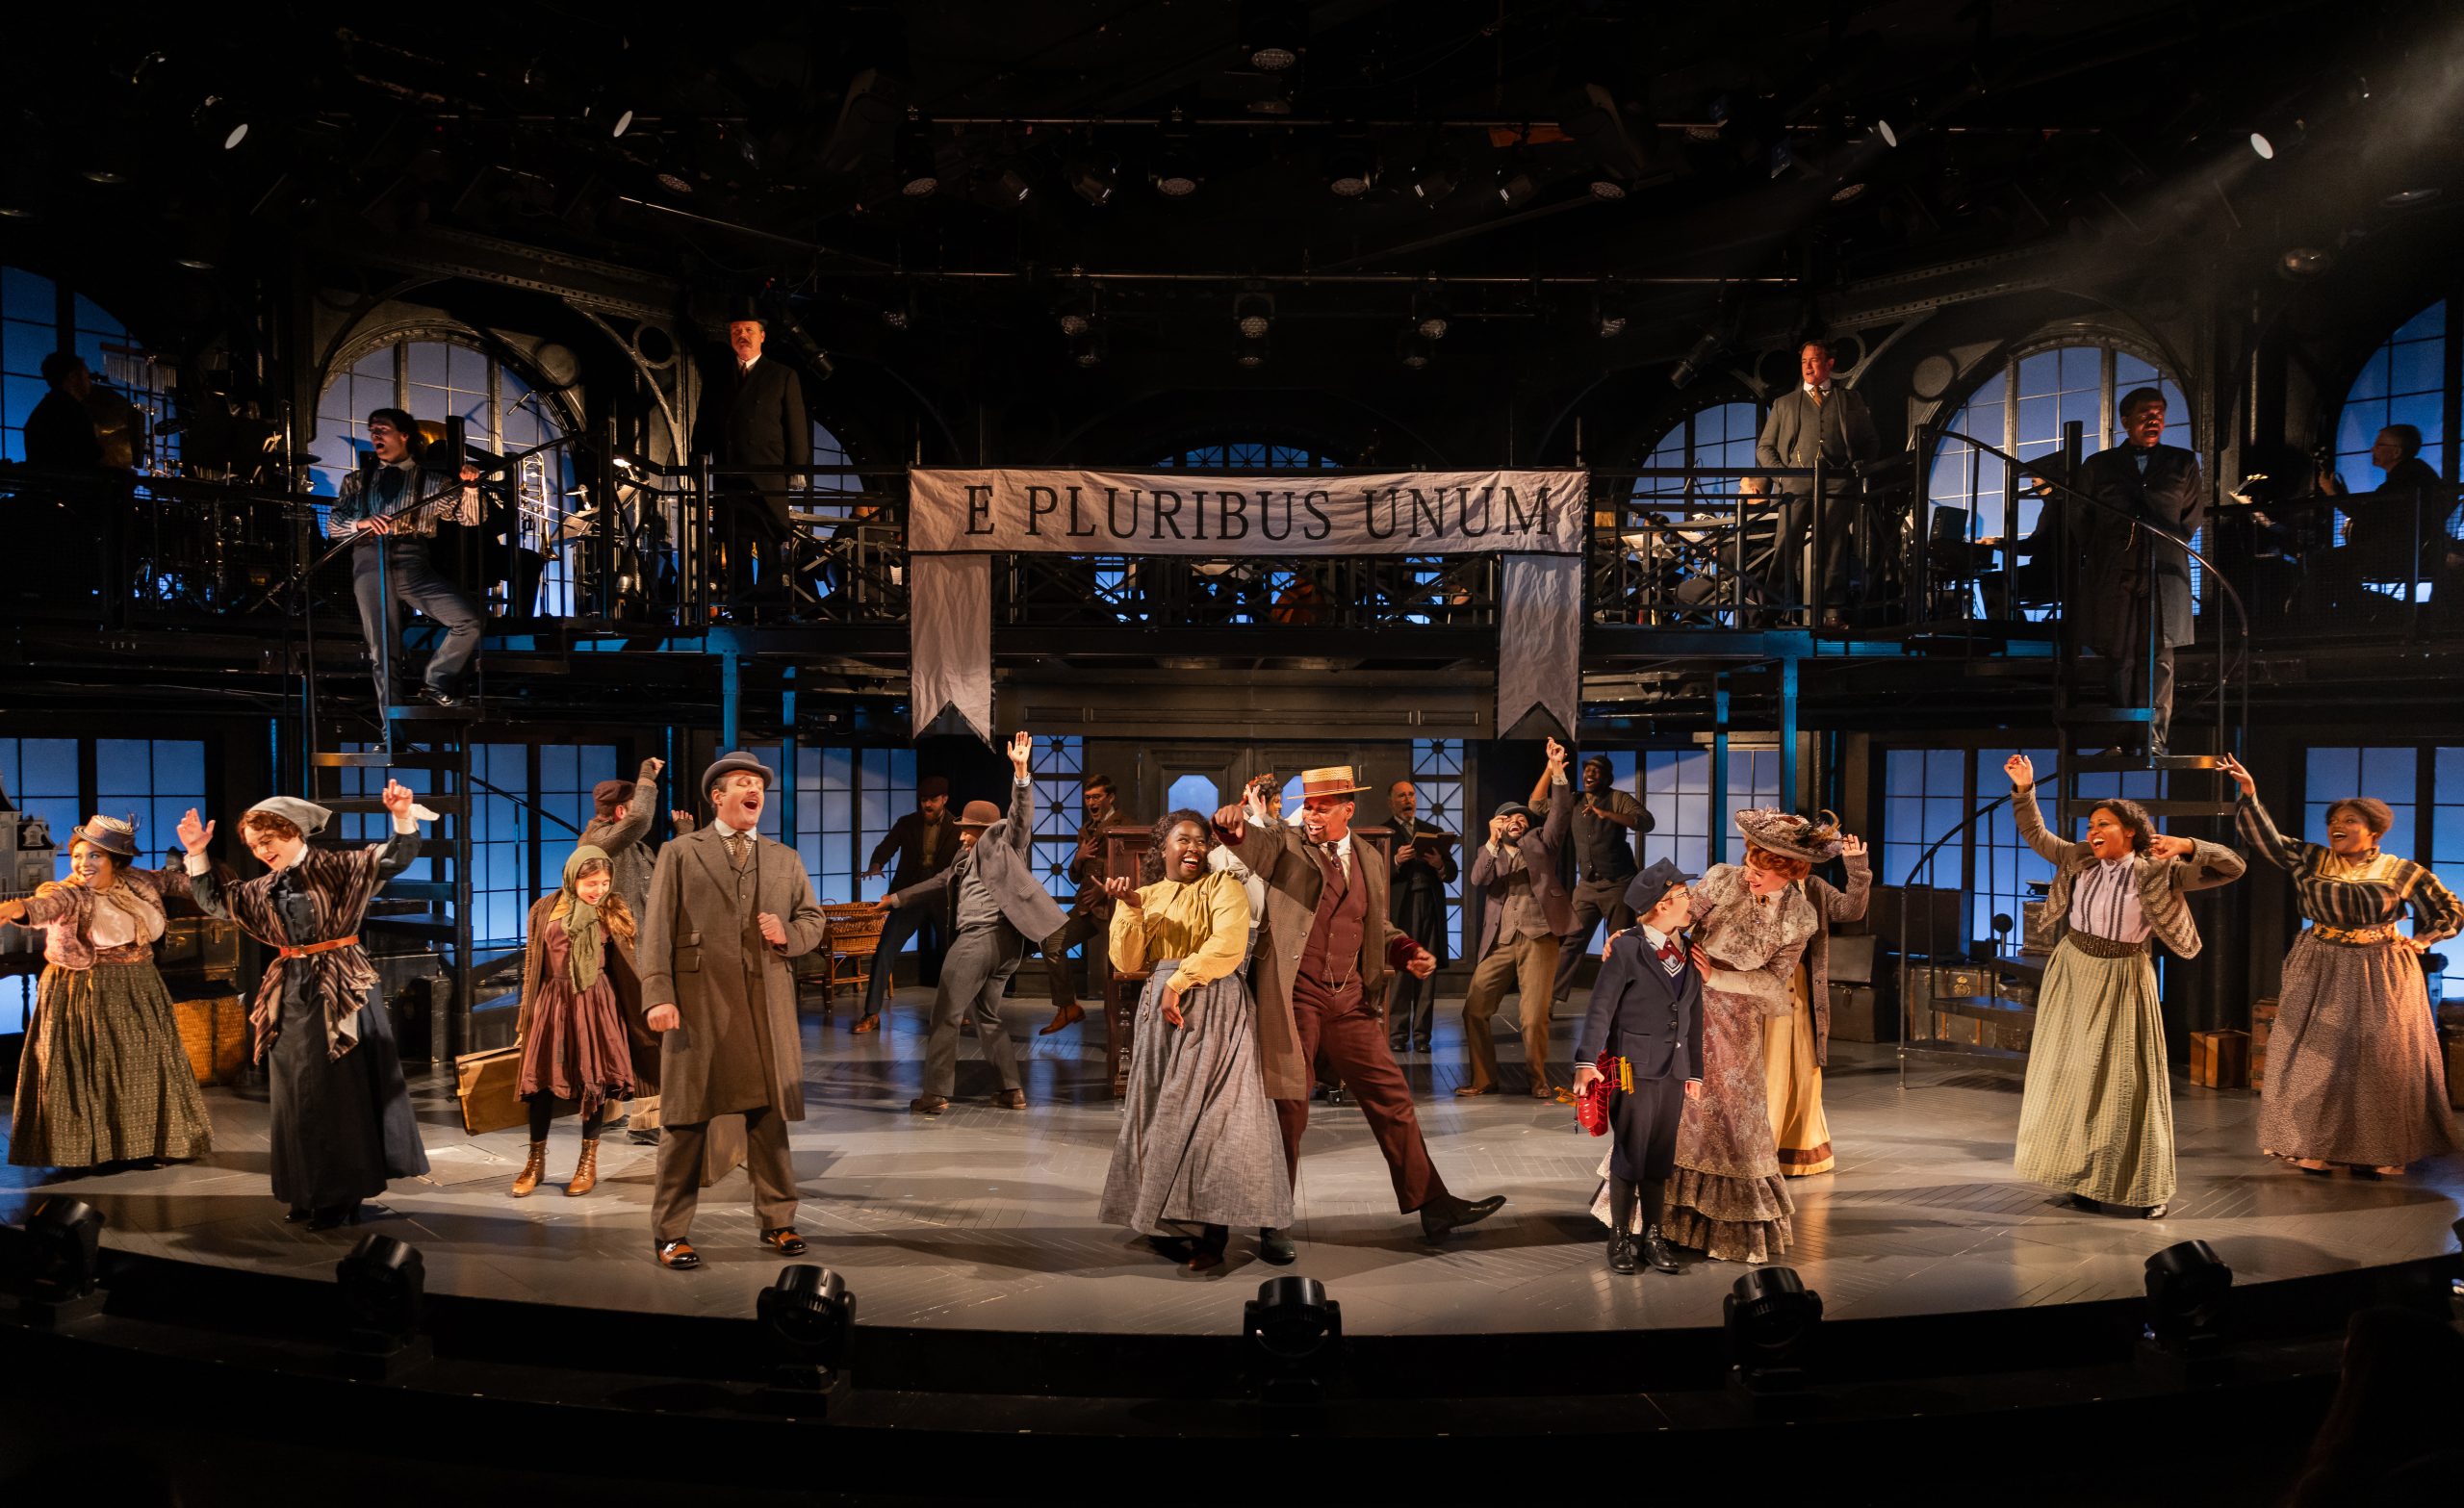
column 579, row 990
column 103, row 1077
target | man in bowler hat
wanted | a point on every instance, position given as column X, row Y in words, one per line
column 1647, row 1008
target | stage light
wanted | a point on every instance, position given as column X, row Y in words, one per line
column 221, row 122
column 1073, row 314
column 1415, row 349
column 1610, row 323
column 1430, row 317
column 1175, row 172
column 1250, row 351
column 1890, row 138
column 2408, row 198
column 1606, row 187
column 1009, row 186
column 1093, row 176
column 1705, row 348
column 1297, row 1334
column 623, row 123
column 808, row 1317
column 918, row 174
column 1273, row 36
column 1253, row 314
column 382, row 1284
column 2188, row 1288
column 674, row 182
column 1087, row 349
column 1435, row 176
column 2260, row 145
column 63, row 1249
column 1770, row 1317
column 1351, row 170
column 1515, row 185
column 2299, row 264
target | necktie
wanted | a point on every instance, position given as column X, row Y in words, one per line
column 1817, row 396
column 737, row 843
column 1333, row 856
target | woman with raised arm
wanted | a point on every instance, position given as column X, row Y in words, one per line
column 2353, row 1069
column 342, row 1115
column 579, row 990
column 1199, row 1149
column 103, row 1077
column 2097, row 1117
column 1753, row 922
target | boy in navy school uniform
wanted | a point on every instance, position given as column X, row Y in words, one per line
column 1648, row 1008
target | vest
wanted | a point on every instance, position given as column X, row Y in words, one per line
column 1332, row 954
column 1604, row 849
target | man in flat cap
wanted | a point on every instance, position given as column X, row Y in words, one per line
column 1647, row 1009
column 1524, row 912
column 926, row 841
column 997, row 904
column 728, row 908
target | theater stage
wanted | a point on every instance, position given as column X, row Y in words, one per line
column 984, row 1218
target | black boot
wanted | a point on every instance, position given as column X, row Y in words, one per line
column 1275, row 1246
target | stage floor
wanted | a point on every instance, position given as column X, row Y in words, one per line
column 984, row 1218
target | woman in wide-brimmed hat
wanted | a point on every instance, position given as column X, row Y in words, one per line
column 103, row 1077
column 1754, row 922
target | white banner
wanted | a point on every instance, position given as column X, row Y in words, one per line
column 950, row 618
column 1053, row 511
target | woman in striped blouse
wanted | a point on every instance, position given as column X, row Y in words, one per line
column 2354, row 1071
column 2097, row 1117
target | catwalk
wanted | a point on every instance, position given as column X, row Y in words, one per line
column 985, row 1219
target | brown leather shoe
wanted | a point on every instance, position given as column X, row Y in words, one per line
column 533, row 1170
column 1063, row 1019
column 1465, row 1092
column 585, row 1172
column 928, row 1104
column 1011, row 1099
column 679, row 1256
column 785, row 1240
column 864, row 1024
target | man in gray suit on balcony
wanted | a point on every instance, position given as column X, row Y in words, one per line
column 1816, row 418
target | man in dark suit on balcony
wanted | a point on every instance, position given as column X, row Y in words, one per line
column 752, row 417
column 2135, row 588
column 1817, row 418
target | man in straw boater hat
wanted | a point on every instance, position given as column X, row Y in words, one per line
column 1322, row 968
column 997, row 904
column 728, row 908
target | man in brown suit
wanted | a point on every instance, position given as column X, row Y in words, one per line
column 1321, row 969
column 728, row 908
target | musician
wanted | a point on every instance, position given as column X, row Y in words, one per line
column 754, row 416
column 61, row 430
column 2397, row 533
column 388, row 507
column 1817, row 418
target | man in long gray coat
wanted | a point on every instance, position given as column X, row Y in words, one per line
column 728, row 908
column 997, row 904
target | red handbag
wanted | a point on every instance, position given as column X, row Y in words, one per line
column 1591, row 1107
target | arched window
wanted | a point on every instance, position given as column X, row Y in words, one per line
column 38, row 317
column 502, row 412
column 2021, row 407
column 2405, row 381
column 1722, row 434
column 1239, row 586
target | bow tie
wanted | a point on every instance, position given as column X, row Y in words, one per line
column 1670, row 951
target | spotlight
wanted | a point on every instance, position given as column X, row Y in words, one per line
column 1253, row 313
column 2300, row 263
column 623, row 123
column 1093, row 177
column 1701, row 354
column 1606, row 187
column 919, row 176
column 1770, row 1317
column 1847, row 193
column 1890, row 138
column 64, row 1250
column 1435, row 176
column 2263, row 146
column 1074, row 315
column 674, row 182
column 1250, row 351
column 2408, row 198
column 807, row 1320
column 1009, row 186
column 1176, row 172
column 1297, row 1334
column 221, row 122
column 2188, row 1288
column 1087, row 348
column 1610, row 325
column 1273, row 37
column 1351, row 170
column 1276, row 100
column 1515, row 185
column 382, row 1284
column 1415, row 349
column 1429, row 315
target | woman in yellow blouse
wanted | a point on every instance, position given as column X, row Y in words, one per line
column 1199, row 1150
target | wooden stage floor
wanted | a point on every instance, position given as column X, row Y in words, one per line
column 985, row 1219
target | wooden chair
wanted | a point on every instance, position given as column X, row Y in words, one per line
column 847, row 963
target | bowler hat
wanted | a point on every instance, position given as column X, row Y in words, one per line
column 979, row 814
column 1814, row 839
column 728, row 764
column 1648, row 889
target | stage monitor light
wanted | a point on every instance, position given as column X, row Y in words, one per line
column 1253, row 314
column 63, row 1249
column 1297, row 1332
column 1093, row 176
column 1351, row 170
column 1770, row 1317
column 807, row 1315
column 2188, row 1289
column 383, row 1285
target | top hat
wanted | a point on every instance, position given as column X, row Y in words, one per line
column 979, row 814
column 114, row 835
column 1334, row 779
column 1814, row 839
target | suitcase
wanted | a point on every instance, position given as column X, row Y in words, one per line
column 198, row 945
column 2262, row 1025
column 489, row 1086
column 1855, row 1013
column 2036, row 938
column 215, row 1031
column 2220, row 1059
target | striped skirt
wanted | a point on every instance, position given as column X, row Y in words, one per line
column 2096, row 1118
column 2353, row 1068
column 104, row 1078
column 1199, row 1143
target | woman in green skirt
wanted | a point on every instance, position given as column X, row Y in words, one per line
column 2096, row 1118
column 104, row 1079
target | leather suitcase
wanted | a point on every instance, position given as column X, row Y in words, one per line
column 1855, row 1013
column 489, row 1086
column 2220, row 1059
column 198, row 945
column 215, row 1031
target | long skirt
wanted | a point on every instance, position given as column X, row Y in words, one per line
column 1727, row 1198
column 577, row 1049
column 1198, row 1140
column 2097, row 1117
column 340, row 1126
column 1792, row 1083
column 104, row 1078
column 2353, row 1069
